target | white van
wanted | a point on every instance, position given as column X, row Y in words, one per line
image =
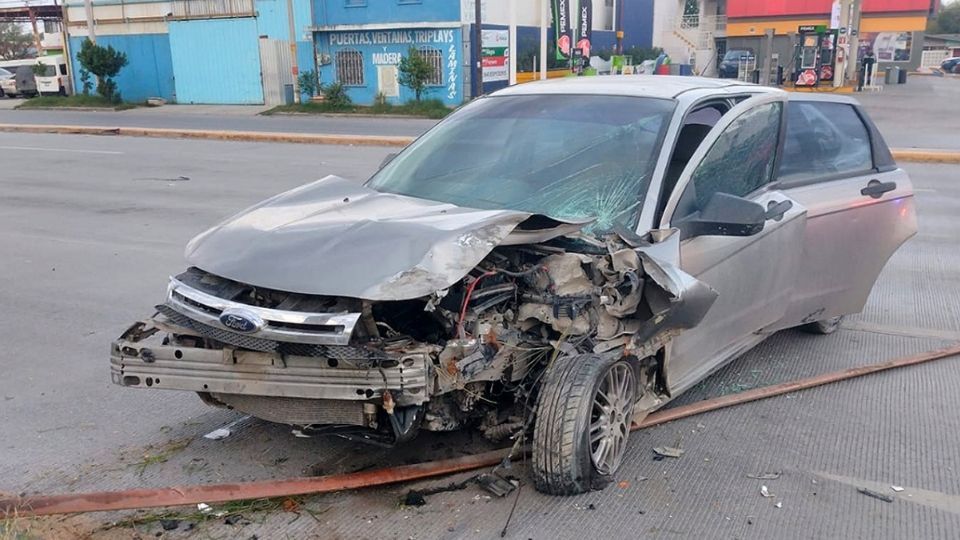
column 53, row 80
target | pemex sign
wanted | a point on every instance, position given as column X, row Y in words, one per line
column 572, row 24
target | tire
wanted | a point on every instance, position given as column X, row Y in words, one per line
column 570, row 412
column 824, row 327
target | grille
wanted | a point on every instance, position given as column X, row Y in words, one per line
column 297, row 411
column 340, row 352
column 230, row 338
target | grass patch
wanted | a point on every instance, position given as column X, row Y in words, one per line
column 161, row 454
column 429, row 108
column 74, row 101
column 253, row 510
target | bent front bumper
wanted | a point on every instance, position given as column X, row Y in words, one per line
column 141, row 359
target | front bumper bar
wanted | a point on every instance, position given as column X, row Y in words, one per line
column 143, row 362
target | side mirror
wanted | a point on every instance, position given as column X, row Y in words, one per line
column 387, row 159
column 724, row 215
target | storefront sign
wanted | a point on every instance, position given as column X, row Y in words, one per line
column 494, row 53
column 391, row 37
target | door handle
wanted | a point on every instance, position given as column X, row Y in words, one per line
column 776, row 209
column 875, row 188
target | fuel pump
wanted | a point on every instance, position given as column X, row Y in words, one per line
column 811, row 46
column 829, row 54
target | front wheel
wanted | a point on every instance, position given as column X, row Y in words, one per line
column 583, row 423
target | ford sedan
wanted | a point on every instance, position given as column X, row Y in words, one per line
column 550, row 263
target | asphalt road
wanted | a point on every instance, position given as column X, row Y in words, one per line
column 916, row 115
column 91, row 227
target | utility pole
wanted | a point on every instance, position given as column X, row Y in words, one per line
column 618, row 24
column 36, row 34
column 477, row 46
column 91, row 23
column 293, row 52
column 544, row 7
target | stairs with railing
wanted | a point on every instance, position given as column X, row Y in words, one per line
column 698, row 34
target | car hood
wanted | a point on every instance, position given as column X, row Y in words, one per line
column 339, row 238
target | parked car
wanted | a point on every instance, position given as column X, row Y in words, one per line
column 729, row 67
column 6, row 82
column 560, row 258
column 21, row 83
column 950, row 64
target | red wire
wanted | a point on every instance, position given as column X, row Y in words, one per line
column 466, row 300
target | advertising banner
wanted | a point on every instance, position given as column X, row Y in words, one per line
column 562, row 27
column 494, row 54
column 585, row 26
column 887, row 46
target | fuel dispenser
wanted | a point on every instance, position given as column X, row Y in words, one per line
column 816, row 55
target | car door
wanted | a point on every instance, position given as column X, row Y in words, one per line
column 753, row 275
column 859, row 204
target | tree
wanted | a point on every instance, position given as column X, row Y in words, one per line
column 415, row 72
column 947, row 21
column 14, row 42
column 105, row 63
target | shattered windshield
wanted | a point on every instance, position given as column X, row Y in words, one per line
column 570, row 157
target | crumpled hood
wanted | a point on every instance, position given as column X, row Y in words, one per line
column 338, row 238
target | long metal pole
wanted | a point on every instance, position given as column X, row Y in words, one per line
column 38, row 505
column 513, row 42
column 544, row 9
column 478, row 47
column 293, row 52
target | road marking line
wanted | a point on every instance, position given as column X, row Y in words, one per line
column 112, row 152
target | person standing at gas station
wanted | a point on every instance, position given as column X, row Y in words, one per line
column 866, row 68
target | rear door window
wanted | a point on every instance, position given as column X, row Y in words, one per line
column 824, row 141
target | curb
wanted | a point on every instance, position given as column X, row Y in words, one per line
column 249, row 136
column 909, row 155
column 925, row 156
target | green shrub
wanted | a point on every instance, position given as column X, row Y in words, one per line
column 335, row 95
column 105, row 63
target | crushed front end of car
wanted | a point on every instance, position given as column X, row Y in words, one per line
column 305, row 310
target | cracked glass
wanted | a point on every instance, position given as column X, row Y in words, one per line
column 569, row 157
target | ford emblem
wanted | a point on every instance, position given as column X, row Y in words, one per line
column 241, row 320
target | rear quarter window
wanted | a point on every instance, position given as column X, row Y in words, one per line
column 824, row 140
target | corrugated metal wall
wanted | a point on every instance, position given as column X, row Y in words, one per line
column 149, row 72
column 275, row 64
column 216, row 61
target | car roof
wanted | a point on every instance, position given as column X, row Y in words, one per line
column 655, row 86
column 828, row 97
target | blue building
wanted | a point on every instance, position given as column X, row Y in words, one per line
column 198, row 51
column 360, row 42
column 239, row 52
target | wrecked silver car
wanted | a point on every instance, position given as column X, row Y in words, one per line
column 558, row 258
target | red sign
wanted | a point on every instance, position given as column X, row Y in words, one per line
column 494, row 61
column 775, row 8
